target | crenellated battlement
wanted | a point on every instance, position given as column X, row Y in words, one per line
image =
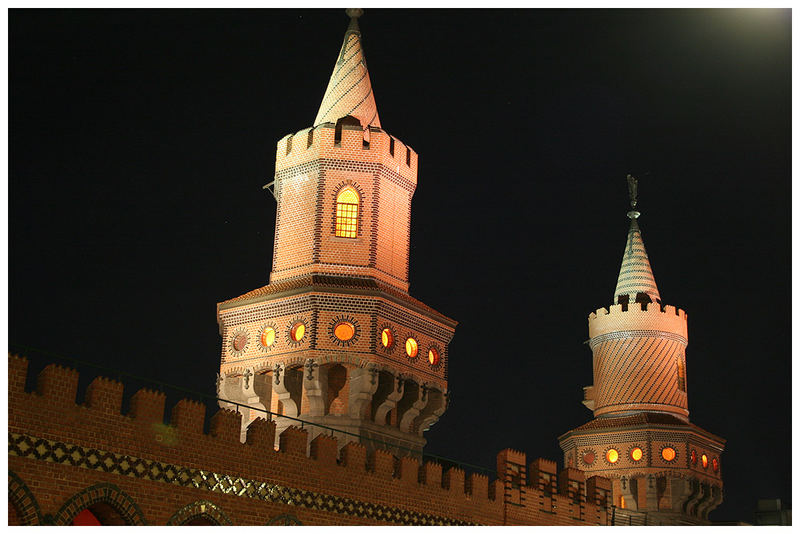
column 318, row 465
column 347, row 142
column 637, row 316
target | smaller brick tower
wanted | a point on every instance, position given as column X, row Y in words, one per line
column 335, row 338
column 641, row 437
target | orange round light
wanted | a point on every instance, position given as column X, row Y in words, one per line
column 298, row 331
column 433, row 356
column 411, row 347
column 668, row 453
column 694, row 457
column 715, row 465
column 387, row 339
column 704, row 461
column 344, row 331
column 268, row 336
column 612, row 455
column 636, row 454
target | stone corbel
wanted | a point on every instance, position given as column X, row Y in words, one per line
column 694, row 498
column 437, row 404
column 313, row 388
column 279, row 388
column 391, row 400
column 363, row 384
column 415, row 409
column 651, row 494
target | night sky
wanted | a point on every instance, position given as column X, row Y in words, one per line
column 140, row 140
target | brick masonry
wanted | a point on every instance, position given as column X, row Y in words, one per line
column 132, row 468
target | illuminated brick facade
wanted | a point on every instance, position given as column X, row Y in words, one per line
column 340, row 268
column 641, row 437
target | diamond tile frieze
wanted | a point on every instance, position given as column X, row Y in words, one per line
column 25, row 446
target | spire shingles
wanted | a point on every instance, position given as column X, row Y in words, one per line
column 349, row 90
column 635, row 274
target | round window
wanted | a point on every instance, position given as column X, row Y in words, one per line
column 693, row 457
column 588, row 458
column 268, row 336
column 344, row 331
column 239, row 342
column 668, row 454
column 298, row 331
column 704, row 461
column 715, row 465
column 411, row 347
column 612, row 455
column 387, row 339
column 636, row 454
column 433, row 356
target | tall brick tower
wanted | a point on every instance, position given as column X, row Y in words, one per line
column 641, row 437
column 335, row 338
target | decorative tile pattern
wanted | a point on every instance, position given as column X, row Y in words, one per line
column 120, row 464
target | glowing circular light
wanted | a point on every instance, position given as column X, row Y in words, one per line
column 344, row 331
column 636, row 454
column 694, row 457
column 387, row 339
column 668, row 454
column 433, row 356
column 715, row 465
column 704, row 461
column 268, row 336
column 411, row 347
column 588, row 458
column 612, row 455
column 298, row 331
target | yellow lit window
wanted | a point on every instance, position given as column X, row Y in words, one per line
column 347, row 213
column 268, row 336
column 704, row 460
column 433, row 356
column 612, row 456
column 668, row 453
column 387, row 339
column 636, row 454
column 298, row 331
column 681, row 374
column 411, row 347
column 621, row 501
column 344, row 331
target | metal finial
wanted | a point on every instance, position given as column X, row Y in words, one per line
column 633, row 192
column 354, row 12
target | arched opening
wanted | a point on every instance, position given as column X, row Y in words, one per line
column 335, row 402
column 200, row 521
column 100, row 513
column 347, row 202
column 13, row 516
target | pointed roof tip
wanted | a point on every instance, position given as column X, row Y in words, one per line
column 354, row 13
column 349, row 89
column 635, row 274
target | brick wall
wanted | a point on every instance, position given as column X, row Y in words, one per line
column 68, row 454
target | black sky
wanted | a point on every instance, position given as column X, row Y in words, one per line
column 139, row 142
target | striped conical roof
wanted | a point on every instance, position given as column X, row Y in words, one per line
column 349, row 90
column 635, row 275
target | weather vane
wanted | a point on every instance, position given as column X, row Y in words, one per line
column 633, row 192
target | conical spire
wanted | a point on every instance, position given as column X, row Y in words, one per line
column 349, row 90
column 635, row 275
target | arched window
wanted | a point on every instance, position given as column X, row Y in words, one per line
column 347, row 213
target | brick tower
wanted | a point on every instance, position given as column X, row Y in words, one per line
column 335, row 338
column 664, row 469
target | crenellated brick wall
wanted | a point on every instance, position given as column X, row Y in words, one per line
column 68, row 454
